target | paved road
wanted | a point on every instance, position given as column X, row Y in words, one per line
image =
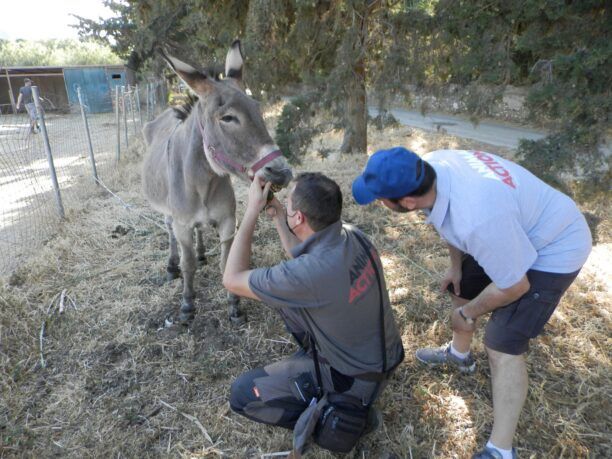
column 492, row 133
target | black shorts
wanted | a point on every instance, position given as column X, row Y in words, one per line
column 510, row 327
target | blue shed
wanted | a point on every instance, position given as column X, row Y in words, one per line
column 97, row 85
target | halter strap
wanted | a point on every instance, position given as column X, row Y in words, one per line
column 265, row 160
column 223, row 159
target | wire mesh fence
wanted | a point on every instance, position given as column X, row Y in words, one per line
column 79, row 147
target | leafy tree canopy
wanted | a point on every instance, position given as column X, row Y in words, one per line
column 55, row 53
column 560, row 49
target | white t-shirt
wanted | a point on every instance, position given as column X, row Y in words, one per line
column 509, row 220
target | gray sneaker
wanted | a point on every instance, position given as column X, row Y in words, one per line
column 435, row 356
column 490, row 453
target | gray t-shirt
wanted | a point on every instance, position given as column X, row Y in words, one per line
column 330, row 287
column 26, row 92
column 509, row 220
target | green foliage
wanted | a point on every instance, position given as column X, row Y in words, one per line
column 271, row 63
column 316, row 42
column 198, row 31
column 296, row 127
column 383, row 120
column 55, row 53
column 561, row 49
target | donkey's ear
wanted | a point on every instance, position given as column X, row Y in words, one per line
column 234, row 61
column 193, row 77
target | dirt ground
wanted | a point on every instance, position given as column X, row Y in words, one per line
column 116, row 383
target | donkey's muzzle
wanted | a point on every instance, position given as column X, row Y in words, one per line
column 279, row 178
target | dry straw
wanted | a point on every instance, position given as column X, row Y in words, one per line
column 113, row 379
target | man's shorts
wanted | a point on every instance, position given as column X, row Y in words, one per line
column 31, row 109
column 510, row 327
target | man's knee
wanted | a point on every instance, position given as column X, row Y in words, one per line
column 499, row 359
column 243, row 390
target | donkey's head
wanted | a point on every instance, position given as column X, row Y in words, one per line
column 233, row 131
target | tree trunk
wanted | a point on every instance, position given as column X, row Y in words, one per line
column 355, row 122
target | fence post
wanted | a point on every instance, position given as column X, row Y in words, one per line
column 86, row 123
column 148, row 102
column 10, row 91
column 132, row 108
column 118, row 122
column 127, row 142
column 138, row 105
column 152, row 96
column 43, row 130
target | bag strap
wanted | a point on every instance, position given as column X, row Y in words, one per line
column 368, row 252
column 317, row 366
column 378, row 377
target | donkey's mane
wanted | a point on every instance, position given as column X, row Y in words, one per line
column 183, row 111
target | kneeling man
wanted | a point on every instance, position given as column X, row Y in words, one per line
column 332, row 297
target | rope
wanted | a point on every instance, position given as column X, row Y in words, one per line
column 131, row 208
column 128, row 206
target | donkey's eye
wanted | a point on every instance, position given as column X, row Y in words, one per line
column 229, row 119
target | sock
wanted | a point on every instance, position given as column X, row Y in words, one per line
column 506, row 453
column 456, row 353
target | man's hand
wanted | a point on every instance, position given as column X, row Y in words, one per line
column 459, row 324
column 274, row 208
column 258, row 195
column 451, row 276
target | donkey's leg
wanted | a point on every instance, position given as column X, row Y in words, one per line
column 200, row 250
column 184, row 235
column 172, row 270
column 227, row 229
column 223, row 212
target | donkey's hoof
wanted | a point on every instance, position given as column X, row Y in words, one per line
column 187, row 305
column 238, row 319
column 172, row 273
column 185, row 318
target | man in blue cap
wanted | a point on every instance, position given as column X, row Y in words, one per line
column 516, row 245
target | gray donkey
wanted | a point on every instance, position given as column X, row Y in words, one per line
column 186, row 172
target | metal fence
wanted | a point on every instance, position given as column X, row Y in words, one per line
column 46, row 164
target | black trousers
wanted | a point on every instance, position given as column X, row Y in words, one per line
column 278, row 393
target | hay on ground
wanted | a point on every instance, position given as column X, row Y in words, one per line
column 116, row 383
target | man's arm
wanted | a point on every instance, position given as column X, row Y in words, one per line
column 237, row 272
column 503, row 249
column 18, row 104
column 488, row 300
column 453, row 273
column 276, row 211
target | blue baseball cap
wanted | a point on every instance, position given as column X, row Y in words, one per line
column 389, row 174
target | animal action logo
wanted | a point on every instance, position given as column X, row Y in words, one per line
column 486, row 165
column 362, row 275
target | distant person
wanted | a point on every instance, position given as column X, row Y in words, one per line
column 25, row 95
column 516, row 244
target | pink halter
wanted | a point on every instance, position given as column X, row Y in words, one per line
column 223, row 159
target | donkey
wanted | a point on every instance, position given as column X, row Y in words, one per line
column 189, row 159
